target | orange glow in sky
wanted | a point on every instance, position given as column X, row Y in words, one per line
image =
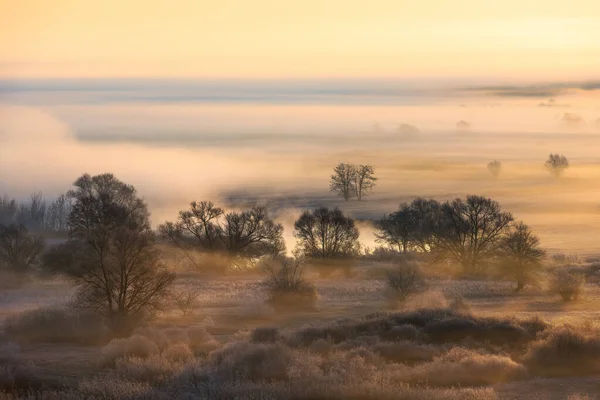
column 300, row 38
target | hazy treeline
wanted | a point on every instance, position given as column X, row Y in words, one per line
column 36, row 214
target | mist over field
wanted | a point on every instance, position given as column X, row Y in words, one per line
column 275, row 142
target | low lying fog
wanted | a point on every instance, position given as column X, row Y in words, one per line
column 233, row 153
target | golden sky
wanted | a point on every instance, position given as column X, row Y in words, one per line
column 516, row 39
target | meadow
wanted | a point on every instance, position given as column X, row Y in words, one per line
column 459, row 338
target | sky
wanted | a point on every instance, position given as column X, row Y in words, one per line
column 510, row 39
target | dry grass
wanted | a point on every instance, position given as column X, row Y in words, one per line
column 56, row 325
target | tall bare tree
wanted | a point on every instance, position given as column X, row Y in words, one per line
column 398, row 228
column 364, row 180
column 57, row 214
column 33, row 213
column 111, row 253
column 521, row 254
column 343, row 180
column 324, row 233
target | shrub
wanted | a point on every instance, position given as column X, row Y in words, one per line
column 157, row 336
column 56, row 325
column 177, row 353
column 201, row 342
column 406, row 352
column 565, row 351
column 568, row 284
column 462, row 367
column 185, row 301
column 134, row 346
column 254, row 362
column 403, row 281
column 286, row 285
column 16, row 373
column 264, row 335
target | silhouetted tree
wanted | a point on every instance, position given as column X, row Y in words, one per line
column 248, row 234
column 57, row 214
column 19, row 250
column 495, row 167
column 343, row 180
column 251, row 233
column 521, row 254
column 557, row 164
column 364, row 180
column 426, row 213
column 398, row 228
column 325, row 234
column 33, row 214
column 469, row 231
column 111, row 253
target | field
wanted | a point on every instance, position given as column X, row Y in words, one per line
column 459, row 339
column 376, row 356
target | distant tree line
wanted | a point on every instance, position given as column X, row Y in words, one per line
column 112, row 255
column 36, row 214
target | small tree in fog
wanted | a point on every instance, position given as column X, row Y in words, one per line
column 557, row 164
column 521, row 254
column 19, row 250
column 403, row 281
column 364, row 180
column 342, row 181
column 495, row 167
column 325, row 234
column 469, row 231
column 397, row 229
column 349, row 180
column 111, row 253
column 286, row 284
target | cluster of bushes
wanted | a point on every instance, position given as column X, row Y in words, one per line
column 428, row 353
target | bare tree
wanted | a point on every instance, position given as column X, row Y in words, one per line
column 343, row 180
column 398, row 228
column 19, row 250
column 33, row 214
column 403, row 281
column 111, row 253
column 58, row 213
column 495, row 167
column 426, row 214
column 185, row 300
column 470, row 231
column 8, row 210
column 364, row 180
column 248, row 234
column 325, row 234
column 521, row 254
column 286, row 284
column 557, row 164
column 251, row 233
